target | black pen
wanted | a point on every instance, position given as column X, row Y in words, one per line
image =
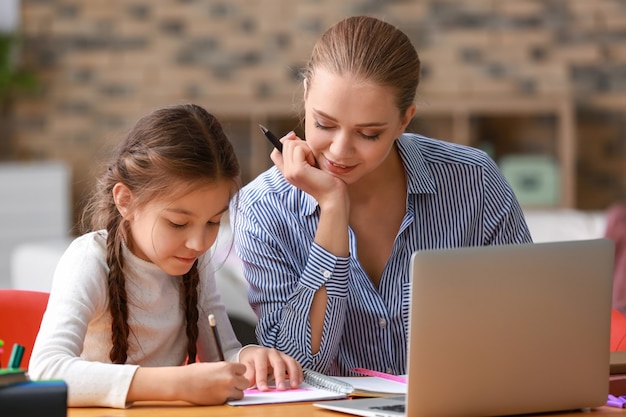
column 272, row 138
column 216, row 336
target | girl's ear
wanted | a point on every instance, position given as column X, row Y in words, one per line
column 122, row 196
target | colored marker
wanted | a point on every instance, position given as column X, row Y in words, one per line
column 16, row 356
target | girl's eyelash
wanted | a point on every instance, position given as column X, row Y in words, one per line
column 176, row 225
column 180, row 226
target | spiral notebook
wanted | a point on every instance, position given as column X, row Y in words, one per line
column 318, row 387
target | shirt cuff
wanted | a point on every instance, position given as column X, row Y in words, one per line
column 324, row 268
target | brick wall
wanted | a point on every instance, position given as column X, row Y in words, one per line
column 102, row 64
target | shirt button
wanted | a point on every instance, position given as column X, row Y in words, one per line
column 382, row 323
column 390, row 371
column 326, row 274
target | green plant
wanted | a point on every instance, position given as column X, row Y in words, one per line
column 13, row 78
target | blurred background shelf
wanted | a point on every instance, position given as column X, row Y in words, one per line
column 36, row 205
column 502, row 126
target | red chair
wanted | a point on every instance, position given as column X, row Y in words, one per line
column 21, row 312
column 618, row 331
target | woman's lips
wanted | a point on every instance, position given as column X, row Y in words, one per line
column 338, row 169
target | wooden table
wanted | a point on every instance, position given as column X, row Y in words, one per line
column 179, row 409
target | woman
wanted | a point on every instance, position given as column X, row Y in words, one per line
column 326, row 235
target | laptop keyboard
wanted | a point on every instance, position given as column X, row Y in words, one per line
column 394, row 407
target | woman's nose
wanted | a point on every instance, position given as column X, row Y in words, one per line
column 341, row 144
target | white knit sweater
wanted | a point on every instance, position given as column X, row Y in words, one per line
column 74, row 341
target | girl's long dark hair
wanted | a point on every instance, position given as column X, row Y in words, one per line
column 165, row 147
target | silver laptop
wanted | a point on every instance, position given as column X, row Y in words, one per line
column 502, row 330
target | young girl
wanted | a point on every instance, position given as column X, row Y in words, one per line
column 326, row 235
column 131, row 298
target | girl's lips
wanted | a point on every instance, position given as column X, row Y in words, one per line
column 186, row 260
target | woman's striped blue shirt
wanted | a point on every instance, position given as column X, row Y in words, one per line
column 456, row 197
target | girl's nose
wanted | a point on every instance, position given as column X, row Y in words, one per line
column 199, row 241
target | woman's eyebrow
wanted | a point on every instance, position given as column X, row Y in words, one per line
column 324, row 115
column 332, row 119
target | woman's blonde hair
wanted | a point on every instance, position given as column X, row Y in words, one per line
column 371, row 50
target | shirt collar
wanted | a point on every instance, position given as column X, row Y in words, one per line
column 419, row 180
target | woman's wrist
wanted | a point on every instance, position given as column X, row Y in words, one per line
column 332, row 228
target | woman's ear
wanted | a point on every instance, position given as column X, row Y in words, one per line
column 123, row 197
column 408, row 116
